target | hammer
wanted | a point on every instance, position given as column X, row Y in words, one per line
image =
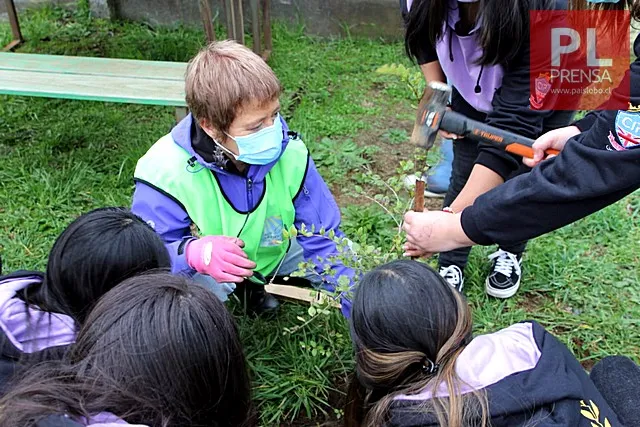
column 435, row 116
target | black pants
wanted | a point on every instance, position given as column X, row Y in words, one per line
column 465, row 153
column 617, row 378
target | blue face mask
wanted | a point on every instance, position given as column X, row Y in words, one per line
column 259, row 148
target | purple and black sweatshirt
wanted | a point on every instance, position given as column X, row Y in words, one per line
column 314, row 205
column 27, row 334
column 529, row 378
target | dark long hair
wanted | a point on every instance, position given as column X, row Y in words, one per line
column 633, row 6
column 404, row 318
column 504, row 31
column 93, row 254
column 156, row 350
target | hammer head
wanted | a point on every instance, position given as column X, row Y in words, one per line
column 432, row 106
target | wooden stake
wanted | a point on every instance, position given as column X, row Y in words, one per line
column 207, row 20
column 418, row 200
column 298, row 294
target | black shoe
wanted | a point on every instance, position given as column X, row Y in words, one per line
column 453, row 275
column 504, row 279
column 256, row 301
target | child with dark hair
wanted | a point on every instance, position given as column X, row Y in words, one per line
column 482, row 48
column 157, row 350
column 40, row 313
column 418, row 364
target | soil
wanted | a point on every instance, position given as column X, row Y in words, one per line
column 387, row 159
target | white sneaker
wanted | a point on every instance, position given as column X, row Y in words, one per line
column 453, row 275
column 506, row 271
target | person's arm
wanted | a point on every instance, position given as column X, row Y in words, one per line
column 316, row 207
column 427, row 58
column 584, row 178
column 511, row 111
column 594, row 170
column 168, row 219
column 481, row 180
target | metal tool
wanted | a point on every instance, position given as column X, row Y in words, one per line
column 435, row 116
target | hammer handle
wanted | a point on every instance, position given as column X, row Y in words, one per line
column 459, row 124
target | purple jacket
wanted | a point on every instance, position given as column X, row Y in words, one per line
column 28, row 329
column 27, row 334
column 314, row 206
column 103, row 419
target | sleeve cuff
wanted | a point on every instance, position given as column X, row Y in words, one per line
column 501, row 163
column 586, row 122
column 426, row 57
column 468, row 223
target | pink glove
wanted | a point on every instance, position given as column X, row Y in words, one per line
column 220, row 257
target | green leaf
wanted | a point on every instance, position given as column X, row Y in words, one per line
column 343, row 281
column 312, row 311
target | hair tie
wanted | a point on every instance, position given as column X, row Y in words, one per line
column 428, row 367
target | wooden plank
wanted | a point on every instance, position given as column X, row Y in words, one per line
column 207, row 20
column 237, row 17
column 266, row 27
column 12, row 45
column 158, row 70
column 93, row 88
column 13, row 21
column 181, row 113
column 298, row 294
column 255, row 25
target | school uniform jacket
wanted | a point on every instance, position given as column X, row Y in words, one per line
column 498, row 95
column 595, row 169
column 28, row 335
column 530, row 379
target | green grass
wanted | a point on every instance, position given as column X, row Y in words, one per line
column 60, row 158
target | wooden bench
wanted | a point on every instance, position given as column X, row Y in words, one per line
column 94, row 79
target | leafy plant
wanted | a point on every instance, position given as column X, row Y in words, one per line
column 362, row 252
column 340, row 157
column 396, row 136
column 411, row 78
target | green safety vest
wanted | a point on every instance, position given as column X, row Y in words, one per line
column 167, row 167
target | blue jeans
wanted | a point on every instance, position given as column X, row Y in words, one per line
column 292, row 259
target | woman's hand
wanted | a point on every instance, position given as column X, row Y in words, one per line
column 555, row 139
column 432, row 232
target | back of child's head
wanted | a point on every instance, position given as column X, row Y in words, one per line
column 224, row 78
column 92, row 255
column 157, row 350
column 408, row 326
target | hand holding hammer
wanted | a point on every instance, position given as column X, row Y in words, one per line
column 435, row 116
